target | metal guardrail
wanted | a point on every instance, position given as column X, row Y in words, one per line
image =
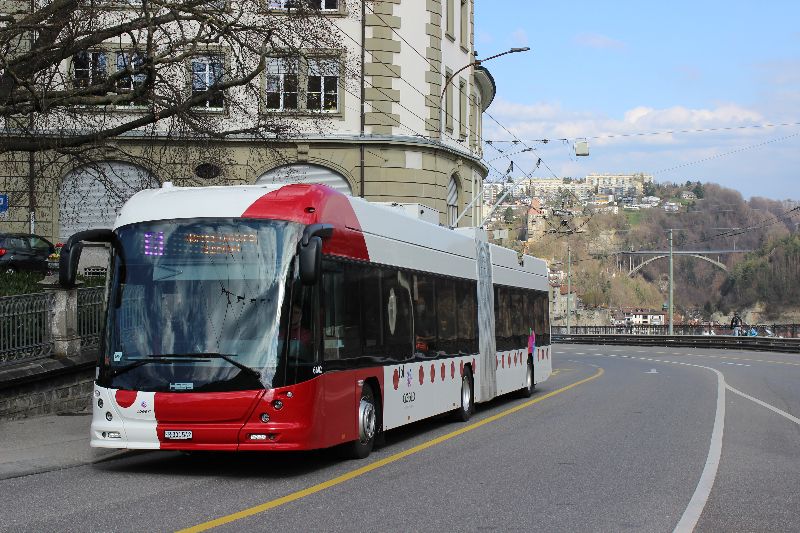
column 791, row 331
column 25, row 326
column 91, row 310
column 757, row 344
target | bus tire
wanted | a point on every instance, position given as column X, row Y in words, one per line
column 367, row 413
column 467, row 404
column 527, row 391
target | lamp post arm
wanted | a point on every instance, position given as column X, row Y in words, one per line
column 456, row 73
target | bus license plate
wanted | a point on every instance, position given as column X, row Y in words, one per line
column 178, row 435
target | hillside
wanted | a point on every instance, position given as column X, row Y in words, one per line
column 719, row 219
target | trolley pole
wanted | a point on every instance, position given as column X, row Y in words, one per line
column 569, row 285
column 670, row 282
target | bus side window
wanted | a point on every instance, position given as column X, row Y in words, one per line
column 446, row 315
column 352, row 312
column 340, row 305
column 332, row 310
column 423, row 294
column 397, row 315
column 529, row 319
column 518, row 330
column 502, row 305
column 467, row 316
column 369, row 289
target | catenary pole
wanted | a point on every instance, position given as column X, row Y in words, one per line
column 670, row 282
column 569, row 285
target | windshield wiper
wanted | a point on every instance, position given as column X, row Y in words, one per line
column 153, row 358
column 213, row 355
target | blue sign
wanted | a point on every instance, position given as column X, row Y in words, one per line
column 3, row 203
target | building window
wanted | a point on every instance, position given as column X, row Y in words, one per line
column 449, row 29
column 305, row 85
column 207, row 71
column 89, row 68
column 323, row 85
column 452, row 202
column 325, row 5
column 281, row 84
column 322, row 5
column 462, row 109
column 131, row 62
column 465, row 24
column 448, row 101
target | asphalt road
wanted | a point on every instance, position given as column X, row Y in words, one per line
column 639, row 443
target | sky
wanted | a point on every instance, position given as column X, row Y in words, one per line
column 618, row 71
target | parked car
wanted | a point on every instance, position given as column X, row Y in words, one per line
column 24, row 251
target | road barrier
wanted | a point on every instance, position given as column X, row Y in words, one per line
column 788, row 331
column 757, row 344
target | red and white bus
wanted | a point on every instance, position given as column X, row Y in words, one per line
column 295, row 317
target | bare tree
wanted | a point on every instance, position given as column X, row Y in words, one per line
column 76, row 73
column 158, row 82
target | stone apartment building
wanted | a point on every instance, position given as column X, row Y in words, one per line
column 393, row 130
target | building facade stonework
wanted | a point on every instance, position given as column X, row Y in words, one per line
column 389, row 129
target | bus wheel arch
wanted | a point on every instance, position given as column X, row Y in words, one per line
column 367, row 413
column 378, row 396
column 466, row 406
column 530, row 384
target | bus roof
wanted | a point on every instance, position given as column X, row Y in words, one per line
column 362, row 230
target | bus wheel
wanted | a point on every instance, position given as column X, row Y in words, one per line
column 367, row 426
column 527, row 392
column 464, row 412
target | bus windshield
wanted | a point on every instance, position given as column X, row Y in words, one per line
column 196, row 306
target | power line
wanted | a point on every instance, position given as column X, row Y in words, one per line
column 732, row 152
column 653, row 133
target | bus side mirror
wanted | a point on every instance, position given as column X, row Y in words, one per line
column 310, row 251
column 71, row 253
column 311, row 261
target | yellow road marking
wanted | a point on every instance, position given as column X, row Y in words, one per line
column 377, row 464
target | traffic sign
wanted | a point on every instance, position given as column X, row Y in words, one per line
column 3, row 203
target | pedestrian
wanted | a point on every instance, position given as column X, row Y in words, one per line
column 736, row 325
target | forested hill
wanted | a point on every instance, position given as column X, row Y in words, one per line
column 770, row 276
column 719, row 219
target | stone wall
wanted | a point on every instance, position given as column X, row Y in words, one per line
column 47, row 386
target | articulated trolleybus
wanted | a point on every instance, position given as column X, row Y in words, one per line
column 294, row 317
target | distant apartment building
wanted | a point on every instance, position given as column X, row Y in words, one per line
column 619, row 184
column 550, row 187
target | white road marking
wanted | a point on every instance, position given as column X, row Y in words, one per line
column 652, row 371
column 691, row 515
column 700, row 497
column 765, row 404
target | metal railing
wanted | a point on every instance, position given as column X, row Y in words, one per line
column 91, row 310
column 787, row 331
column 767, row 344
column 25, row 326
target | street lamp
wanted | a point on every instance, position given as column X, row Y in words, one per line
column 476, row 63
column 442, row 111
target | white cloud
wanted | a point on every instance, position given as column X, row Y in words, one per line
column 596, row 40
column 519, row 37
column 732, row 156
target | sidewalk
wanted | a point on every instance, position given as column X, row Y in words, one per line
column 41, row 444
